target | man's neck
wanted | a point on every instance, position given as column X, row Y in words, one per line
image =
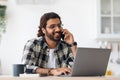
column 51, row 44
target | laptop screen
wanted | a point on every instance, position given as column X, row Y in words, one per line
column 91, row 62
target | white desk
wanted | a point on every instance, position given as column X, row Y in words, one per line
column 59, row 78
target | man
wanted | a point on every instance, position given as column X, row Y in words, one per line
column 49, row 54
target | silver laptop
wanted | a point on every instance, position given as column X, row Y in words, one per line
column 91, row 62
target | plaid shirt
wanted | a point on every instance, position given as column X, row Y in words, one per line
column 36, row 55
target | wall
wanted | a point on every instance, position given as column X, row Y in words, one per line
column 78, row 16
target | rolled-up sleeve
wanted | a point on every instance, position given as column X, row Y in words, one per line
column 70, row 60
column 69, row 57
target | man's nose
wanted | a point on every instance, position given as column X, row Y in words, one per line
column 58, row 28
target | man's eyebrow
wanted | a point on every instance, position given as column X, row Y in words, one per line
column 56, row 24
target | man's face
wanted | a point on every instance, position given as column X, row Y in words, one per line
column 53, row 29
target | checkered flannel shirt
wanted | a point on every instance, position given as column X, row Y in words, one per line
column 36, row 51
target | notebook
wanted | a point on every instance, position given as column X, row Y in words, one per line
column 90, row 62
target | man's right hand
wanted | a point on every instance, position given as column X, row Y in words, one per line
column 60, row 71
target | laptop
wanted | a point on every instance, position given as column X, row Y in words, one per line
column 90, row 62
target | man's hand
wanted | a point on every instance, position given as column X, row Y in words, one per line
column 68, row 36
column 60, row 71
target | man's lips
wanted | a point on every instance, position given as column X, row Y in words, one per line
column 57, row 34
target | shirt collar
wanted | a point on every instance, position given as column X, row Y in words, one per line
column 44, row 44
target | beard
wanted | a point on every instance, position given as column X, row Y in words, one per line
column 55, row 36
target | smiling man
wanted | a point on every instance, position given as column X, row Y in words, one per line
column 52, row 53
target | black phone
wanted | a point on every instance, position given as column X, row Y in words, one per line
column 62, row 36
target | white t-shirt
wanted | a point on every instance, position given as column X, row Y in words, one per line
column 51, row 59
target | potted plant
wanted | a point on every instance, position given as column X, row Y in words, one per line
column 2, row 18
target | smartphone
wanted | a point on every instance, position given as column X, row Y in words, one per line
column 62, row 36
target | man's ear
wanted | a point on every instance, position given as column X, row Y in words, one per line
column 43, row 30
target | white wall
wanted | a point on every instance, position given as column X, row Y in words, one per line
column 78, row 16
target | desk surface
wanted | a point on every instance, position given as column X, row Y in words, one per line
column 59, row 78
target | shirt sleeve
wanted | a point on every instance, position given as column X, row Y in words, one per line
column 70, row 58
column 29, row 57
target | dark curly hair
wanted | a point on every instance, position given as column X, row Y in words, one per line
column 44, row 19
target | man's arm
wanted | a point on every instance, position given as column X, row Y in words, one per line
column 53, row 72
column 68, row 38
column 74, row 48
column 29, row 58
column 42, row 71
